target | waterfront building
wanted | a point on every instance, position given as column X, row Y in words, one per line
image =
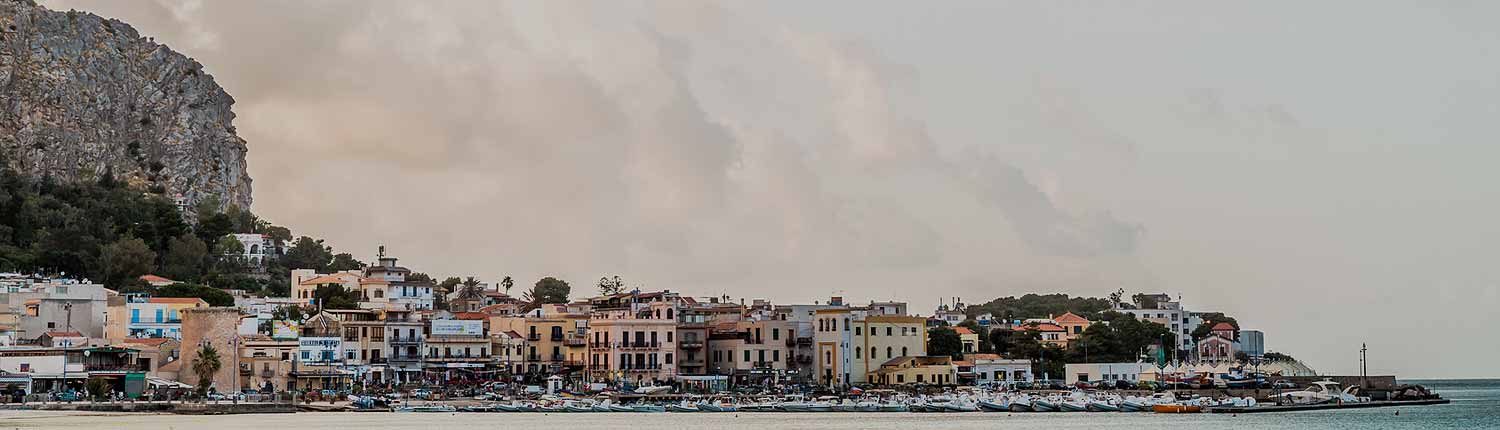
column 266, row 364
column 632, row 338
column 1162, row 309
column 255, row 249
column 457, row 348
column 952, row 315
column 696, row 321
column 992, row 369
column 1048, row 331
column 553, row 340
column 911, row 370
column 153, row 353
column 1220, row 344
column 59, row 305
column 850, row 343
column 805, row 369
column 751, row 352
column 1111, row 372
column 305, row 283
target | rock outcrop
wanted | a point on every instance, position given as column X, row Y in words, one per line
column 82, row 96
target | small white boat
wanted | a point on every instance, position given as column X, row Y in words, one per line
column 653, row 389
column 426, row 408
column 1102, row 406
column 648, row 408
column 685, row 406
column 998, row 404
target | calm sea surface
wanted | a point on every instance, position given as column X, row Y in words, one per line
column 1476, row 405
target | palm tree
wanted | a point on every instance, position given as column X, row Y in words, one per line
column 470, row 289
column 205, row 366
column 507, row 283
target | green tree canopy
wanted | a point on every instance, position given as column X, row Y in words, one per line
column 185, row 258
column 1209, row 321
column 214, row 296
column 344, row 261
column 1040, row 306
column 944, row 341
column 309, row 253
column 550, row 290
column 334, row 296
column 126, row 259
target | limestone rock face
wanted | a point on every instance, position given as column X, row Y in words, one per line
column 81, row 96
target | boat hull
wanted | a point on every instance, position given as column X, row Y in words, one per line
column 1176, row 409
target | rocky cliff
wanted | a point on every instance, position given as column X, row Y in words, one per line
column 82, row 96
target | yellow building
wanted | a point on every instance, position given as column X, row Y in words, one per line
column 916, row 370
column 552, row 342
column 850, row 344
column 1073, row 325
column 968, row 338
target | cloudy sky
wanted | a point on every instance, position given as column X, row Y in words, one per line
column 1325, row 172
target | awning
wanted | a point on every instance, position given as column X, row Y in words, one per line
column 162, row 383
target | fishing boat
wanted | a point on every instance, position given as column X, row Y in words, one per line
column 648, row 408
column 960, row 405
column 716, row 406
column 1021, row 404
column 653, row 389
column 620, row 408
column 1073, row 405
column 1044, row 405
column 1102, row 406
column 578, row 406
column 685, row 406
column 894, row 407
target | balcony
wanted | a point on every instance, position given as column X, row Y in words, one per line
column 557, row 337
column 691, row 344
column 534, row 337
column 533, row 358
column 405, row 341
column 405, row 358
column 804, row 341
column 576, row 341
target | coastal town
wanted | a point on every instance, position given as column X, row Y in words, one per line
column 402, row 337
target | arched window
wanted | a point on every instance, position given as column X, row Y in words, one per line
column 846, row 324
column 888, row 352
column 903, row 351
column 669, row 313
column 828, row 357
column 872, row 352
column 856, row 352
column 254, row 249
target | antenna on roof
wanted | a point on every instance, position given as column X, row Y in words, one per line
column 381, row 254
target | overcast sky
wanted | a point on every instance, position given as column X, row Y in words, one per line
column 1325, row 172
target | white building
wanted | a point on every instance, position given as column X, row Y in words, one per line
column 1089, row 372
column 1169, row 313
column 991, row 369
column 256, row 248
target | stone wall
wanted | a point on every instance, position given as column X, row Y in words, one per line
column 217, row 326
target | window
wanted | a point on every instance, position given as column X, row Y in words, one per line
column 903, row 351
column 856, row 352
column 888, row 352
column 827, row 357
column 135, row 316
column 888, row 330
column 669, row 335
column 856, row 331
column 158, row 316
column 900, row 379
column 775, row 356
column 669, row 316
column 669, row 355
column 846, row 324
column 919, row 378
column 872, row 352
column 747, row 356
column 775, row 334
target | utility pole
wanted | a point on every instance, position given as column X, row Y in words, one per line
column 1364, row 366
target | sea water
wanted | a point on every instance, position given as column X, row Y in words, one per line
column 1476, row 405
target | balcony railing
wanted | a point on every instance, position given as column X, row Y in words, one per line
column 576, row 342
column 691, row 344
column 804, row 341
column 557, row 338
column 405, row 340
column 534, row 337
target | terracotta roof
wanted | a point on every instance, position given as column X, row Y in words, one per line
column 153, row 341
column 154, row 278
column 977, row 357
column 1046, row 327
column 471, row 316
column 325, row 279
column 963, row 363
column 64, row 334
column 373, row 281
column 175, row 300
column 963, row 330
column 1070, row 318
column 1224, row 326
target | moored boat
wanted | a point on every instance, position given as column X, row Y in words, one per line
column 1021, row 405
column 1102, row 406
column 1176, row 408
column 1043, row 405
column 1072, row 406
column 995, row 405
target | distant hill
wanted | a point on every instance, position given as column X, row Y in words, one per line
column 82, row 96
